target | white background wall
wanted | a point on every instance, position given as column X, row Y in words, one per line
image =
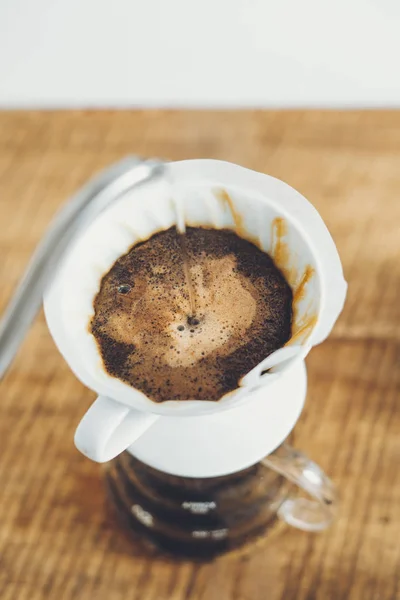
column 199, row 52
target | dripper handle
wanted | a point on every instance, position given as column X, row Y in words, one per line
column 313, row 514
column 109, row 427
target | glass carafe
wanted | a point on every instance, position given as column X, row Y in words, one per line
column 204, row 517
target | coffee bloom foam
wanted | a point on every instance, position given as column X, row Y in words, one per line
column 148, row 336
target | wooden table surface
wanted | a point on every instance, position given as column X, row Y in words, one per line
column 57, row 538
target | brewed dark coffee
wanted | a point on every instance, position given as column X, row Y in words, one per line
column 148, row 336
column 191, row 517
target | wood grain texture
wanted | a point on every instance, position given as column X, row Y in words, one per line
column 57, row 538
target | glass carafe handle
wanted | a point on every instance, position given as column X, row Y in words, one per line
column 310, row 514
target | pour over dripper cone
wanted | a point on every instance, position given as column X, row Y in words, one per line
column 217, row 195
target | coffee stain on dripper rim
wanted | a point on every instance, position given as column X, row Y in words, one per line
column 238, row 220
column 300, row 290
column 303, row 328
column 302, row 324
column 305, row 324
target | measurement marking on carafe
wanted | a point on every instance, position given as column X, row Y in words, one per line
column 142, row 515
column 199, row 508
column 217, row 534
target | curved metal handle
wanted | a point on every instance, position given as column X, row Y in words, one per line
column 87, row 203
column 313, row 514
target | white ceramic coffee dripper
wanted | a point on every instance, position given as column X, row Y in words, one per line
column 217, row 194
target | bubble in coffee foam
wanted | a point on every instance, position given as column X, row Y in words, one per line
column 124, row 288
column 153, row 342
